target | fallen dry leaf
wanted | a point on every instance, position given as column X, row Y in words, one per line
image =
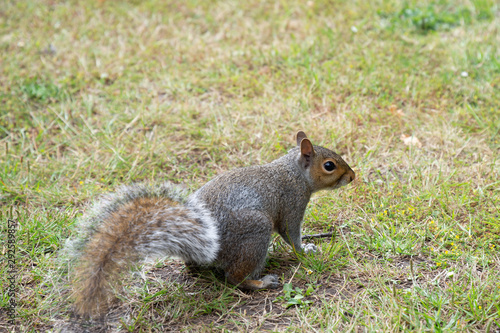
column 411, row 140
column 395, row 111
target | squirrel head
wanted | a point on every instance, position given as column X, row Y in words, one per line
column 325, row 169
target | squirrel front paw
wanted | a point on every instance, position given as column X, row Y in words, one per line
column 270, row 281
column 309, row 248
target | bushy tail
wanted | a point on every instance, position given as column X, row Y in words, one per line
column 136, row 222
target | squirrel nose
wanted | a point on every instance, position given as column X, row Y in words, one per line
column 352, row 175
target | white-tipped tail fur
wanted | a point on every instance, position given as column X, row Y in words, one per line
column 135, row 222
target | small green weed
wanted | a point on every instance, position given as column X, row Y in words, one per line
column 295, row 296
column 39, row 90
column 432, row 19
column 485, row 9
column 437, row 16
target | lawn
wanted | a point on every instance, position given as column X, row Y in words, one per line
column 95, row 94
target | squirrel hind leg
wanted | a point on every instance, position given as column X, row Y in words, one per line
column 245, row 254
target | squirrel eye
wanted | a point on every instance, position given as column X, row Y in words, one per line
column 329, row 166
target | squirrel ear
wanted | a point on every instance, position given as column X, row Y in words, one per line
column 300, row 135
column 306, row 152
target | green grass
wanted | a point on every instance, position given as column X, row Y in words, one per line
column 100, row 93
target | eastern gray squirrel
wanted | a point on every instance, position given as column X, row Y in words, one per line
column 227, row 223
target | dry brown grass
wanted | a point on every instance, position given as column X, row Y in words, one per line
column 100, row 93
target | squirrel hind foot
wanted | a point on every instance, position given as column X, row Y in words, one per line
column 270, row 281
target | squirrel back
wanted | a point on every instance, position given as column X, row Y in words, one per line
column 252, row 202
column 227, row 223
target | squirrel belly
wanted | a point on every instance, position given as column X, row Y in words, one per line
column 137, row 222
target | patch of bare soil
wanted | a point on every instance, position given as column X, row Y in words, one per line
column 255, row 311
column 258, row 311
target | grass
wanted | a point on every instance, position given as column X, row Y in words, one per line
column 100, row 93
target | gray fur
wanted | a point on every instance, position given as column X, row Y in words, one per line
column 227, row 223
column 202, row 249
column 198, row 243
column 279, row 198
column 249, row 203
